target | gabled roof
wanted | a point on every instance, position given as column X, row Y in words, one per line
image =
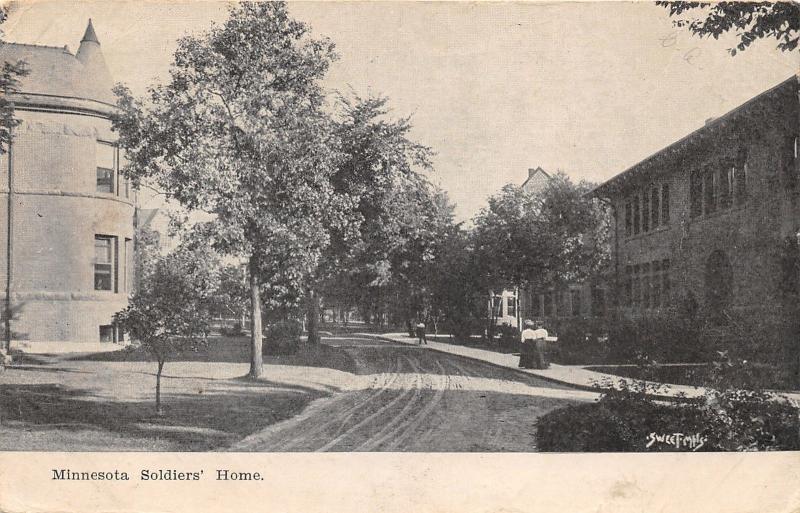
column 619, row 180
column 55, row 71
column 537, row 174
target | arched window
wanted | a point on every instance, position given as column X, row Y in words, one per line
column 719, row 284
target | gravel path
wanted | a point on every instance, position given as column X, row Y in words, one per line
column 411, row 399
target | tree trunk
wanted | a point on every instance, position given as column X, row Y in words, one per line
column 312, row 317
column 256, row 357
column 159, row 410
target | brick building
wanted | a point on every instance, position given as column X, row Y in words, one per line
column 702, row 224
column 66, row 242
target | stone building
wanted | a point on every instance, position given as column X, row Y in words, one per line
column 704, row 224
column 66, row 242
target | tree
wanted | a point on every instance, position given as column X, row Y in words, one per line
column 170, row 311
column 230, row 298
column 750, row 20
column 458, row 290
column 548, row 238
column 9, row 83
column 239, row 131
column 379, row 172
column 10, row 75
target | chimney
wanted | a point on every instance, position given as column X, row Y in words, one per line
column 531, row 172
column 709, row 120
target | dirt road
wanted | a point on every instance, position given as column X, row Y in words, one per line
column 414, row 399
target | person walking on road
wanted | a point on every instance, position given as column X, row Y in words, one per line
column 421, row 333
column 540, row 346
column 527, row 345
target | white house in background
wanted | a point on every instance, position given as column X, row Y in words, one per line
column 506, row 304
column 537, row 180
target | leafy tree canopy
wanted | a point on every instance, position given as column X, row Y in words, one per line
column 240, row 131
column 750, row 21
column 170, row 312
column 543, row 238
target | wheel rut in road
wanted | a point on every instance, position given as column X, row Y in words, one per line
column 409, row 399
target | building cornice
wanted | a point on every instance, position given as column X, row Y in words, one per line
column 61, row 105
column 54, row 192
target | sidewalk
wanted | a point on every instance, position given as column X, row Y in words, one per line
column 572, row 375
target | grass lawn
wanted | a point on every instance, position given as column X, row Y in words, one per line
column 105, row 402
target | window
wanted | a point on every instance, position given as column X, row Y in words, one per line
column 654, row 204
column 598, row 302
column 719, row 285
column 788, row 163
column 107, row 333
column 511, row 307
column 665, row 204
column 655, row 285
column 740, row 176
column 497, row 306
column 635, row 289
column 628, row 219
column 547, row 304
column 105, row 257
column 645, row 285
column 709, row 192
column 725, row 186
column 645, row 211
column 128, row 268
column 665, row 299
column 576, row 303
column 106, row 166
column 636, row 215
column 628, row 285
column 696, row 193
column 124, row 186
column 110, row 159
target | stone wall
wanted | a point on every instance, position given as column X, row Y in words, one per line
column 56, row 214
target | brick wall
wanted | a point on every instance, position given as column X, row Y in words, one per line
column 749, row 234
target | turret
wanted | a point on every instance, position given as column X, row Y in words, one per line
column 98, row 78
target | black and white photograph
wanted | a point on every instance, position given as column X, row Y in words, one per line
column 398, row 227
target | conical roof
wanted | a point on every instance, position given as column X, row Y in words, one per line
column 54, row 71
column 90, row 35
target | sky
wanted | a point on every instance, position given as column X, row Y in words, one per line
column 494, row 88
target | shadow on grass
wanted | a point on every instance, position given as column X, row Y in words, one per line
column 191, row 422
column 233, row 350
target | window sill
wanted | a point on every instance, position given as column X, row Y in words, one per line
column 718, row 213
column 660, row 229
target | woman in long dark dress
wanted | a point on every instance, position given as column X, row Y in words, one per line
column 527, row 346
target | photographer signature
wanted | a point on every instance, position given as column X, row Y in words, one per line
column 677, row 440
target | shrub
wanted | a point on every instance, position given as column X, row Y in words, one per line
column 283, row 337
column 662, row 338
column 745, row 420
column 734, row 420
column 231, row 330
column 584, row 428
column 509, row 337
column 580, row 342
